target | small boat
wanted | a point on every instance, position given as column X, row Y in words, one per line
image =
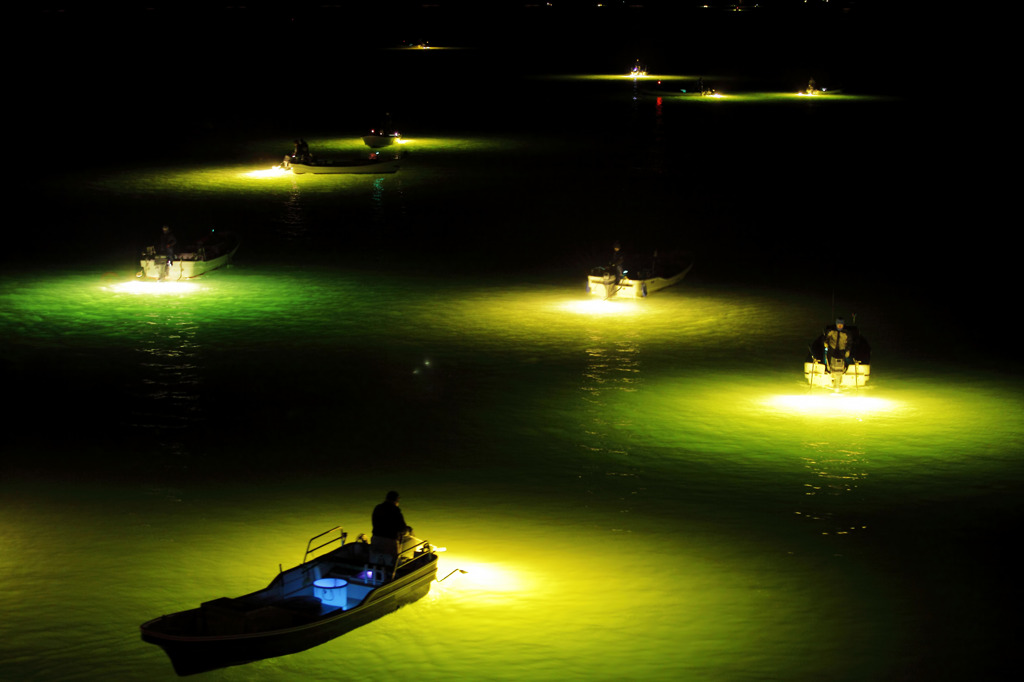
column 373, row 164
column 639, row 281
column 827, row 368
column 384, row 135
column 377, row 140
column 213, row 251
column 303, row 607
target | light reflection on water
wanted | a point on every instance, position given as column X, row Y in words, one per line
column 637, row 490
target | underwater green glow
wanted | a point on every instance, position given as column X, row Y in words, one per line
column 150, row 288
column 768, row 97
column 257, row 178
column 831, row 403
column 685, row 88
column 597, row 306
column 638, row 490
column 723, row 512
column 623, row 77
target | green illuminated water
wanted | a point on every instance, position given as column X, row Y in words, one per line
column 637, row 489
column 622, row 485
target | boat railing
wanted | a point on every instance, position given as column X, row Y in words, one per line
column 340, row 539
column 413, row 552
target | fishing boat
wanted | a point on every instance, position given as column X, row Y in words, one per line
column 825, row 367
column 371, row 164
column 381, row 139
column 322, row 598
column 383, row 135
column 213, row 251
column 641, row 279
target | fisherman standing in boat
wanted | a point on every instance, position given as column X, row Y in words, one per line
column 391, row 535
column 166, row 248
column 837, row 345
column 615, row 265
column 167, row 243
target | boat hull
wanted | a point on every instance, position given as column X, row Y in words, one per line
column 850, row 369
column 196, row 653
column 855, row 376
column 378, row 141
column 346, row 167
column 185, row 265
column 604, row 285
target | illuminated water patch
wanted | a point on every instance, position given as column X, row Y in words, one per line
column 274, row 172
column 624, row 77
column 490, row 579
column 600, row 307
column 149, row 288
column 830, row 403
column 257, row 177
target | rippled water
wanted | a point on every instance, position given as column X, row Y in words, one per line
column 632, row 493
column 636, row 489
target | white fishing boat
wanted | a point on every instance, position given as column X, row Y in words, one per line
column 839, row 358
column 302, row 607
column 377, row 140
column 639, row 281
column 372, row 164
column 213, row 251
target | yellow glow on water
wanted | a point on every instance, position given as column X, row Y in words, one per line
column 274, row 172
column 261, row 176
column 621, row 77
column 422, row 47
column 830, row 403
column 556, row 317
column 598, row 306
column 770, row 97
column 150, row 288
column 489, row 578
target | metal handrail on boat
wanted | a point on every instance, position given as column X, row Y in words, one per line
column 342, row 536
column 425, row 545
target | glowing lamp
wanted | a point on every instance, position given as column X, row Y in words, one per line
column 331, row 592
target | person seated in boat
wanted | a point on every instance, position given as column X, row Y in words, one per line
column 838, row 344
column 293, row 157
column 300, row 154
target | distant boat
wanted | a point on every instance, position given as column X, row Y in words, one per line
column 303, row 607
column 213, row 251
column 824, row 368
column 639, row 281
column 373, row 164
column 378, row 140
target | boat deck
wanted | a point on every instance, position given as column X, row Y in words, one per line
column 302, row 607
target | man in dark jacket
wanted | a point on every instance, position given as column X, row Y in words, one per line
column 391, row 537
column 388, row 521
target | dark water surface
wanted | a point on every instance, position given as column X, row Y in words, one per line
column 637, row 489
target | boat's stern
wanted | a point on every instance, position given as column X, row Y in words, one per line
column 816, row 374
column 605, row 286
